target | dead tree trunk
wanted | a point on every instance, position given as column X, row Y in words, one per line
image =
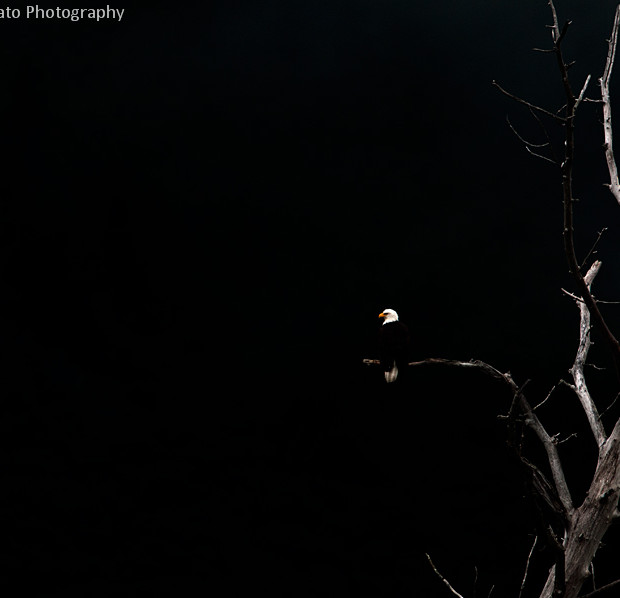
column 591, row 520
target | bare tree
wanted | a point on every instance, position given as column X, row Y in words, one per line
column 572, row 532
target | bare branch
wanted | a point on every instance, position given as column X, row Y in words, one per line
column 541, row 156
column 547, row 397
column 609, row 586
column 573, row 435
column 614, row 182
column 528, row 104
column 581, row 388
column 546, row 134
column 563, row 34
column 472, row 364
column 527, row 565
column 528, row 143
column 552, row 456
column 442, row 577
column 580, row 300
column 592, row 272
column 598, row 238
column 610, row 405
column 582, row 92
column 571, row 295
column 555, row 28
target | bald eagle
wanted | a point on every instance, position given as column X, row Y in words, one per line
column 393, row 344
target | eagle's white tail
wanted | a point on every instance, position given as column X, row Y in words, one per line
column 391, row 375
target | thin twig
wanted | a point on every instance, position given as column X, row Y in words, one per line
column 580, row 300
column 528, row 104
column 546, row 398
column 536, row 155
column 528, row 143
column 527, row 566
column 609, row 586
column 545, row 133
column 573, row 435
column 598, row 238
column 582, row 92
column 442, row 577
column 610, row 405
column 571, row 295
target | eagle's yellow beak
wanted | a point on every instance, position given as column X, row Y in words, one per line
column 382, row 315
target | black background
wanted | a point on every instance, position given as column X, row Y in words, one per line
column 204, row 209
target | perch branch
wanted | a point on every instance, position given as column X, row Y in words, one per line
column 614, row 183
column 531, row 420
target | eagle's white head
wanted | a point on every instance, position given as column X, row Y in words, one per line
column 388, row 315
